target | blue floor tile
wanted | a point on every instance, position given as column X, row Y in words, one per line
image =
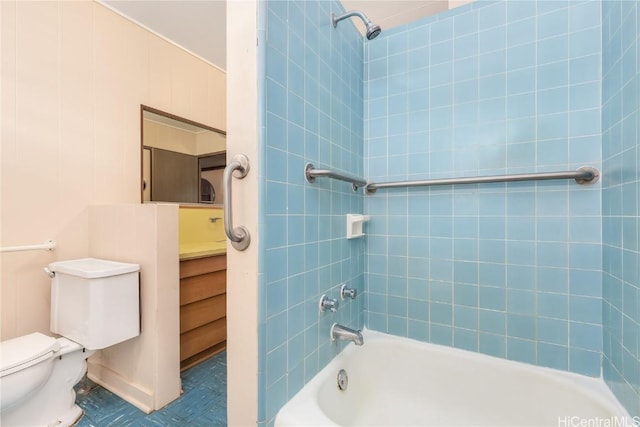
column 202, row 404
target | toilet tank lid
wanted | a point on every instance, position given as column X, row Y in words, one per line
column 93, row 268
column 20, row 350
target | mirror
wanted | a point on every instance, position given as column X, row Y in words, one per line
column 182, row 161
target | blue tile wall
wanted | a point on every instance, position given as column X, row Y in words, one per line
column 512, row 270
column 621, row 191
column 313, row 112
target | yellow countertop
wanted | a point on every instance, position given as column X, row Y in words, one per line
column 201, row 250
column 201, row 233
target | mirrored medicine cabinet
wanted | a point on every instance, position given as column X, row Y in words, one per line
column 182, row 161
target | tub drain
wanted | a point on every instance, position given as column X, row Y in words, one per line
column 343, row 380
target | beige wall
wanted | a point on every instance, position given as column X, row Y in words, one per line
column 73, row 77
column 211, row 142
column 171, row 138
column 457, row 3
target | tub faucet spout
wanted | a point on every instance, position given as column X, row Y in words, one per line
column 339, row 332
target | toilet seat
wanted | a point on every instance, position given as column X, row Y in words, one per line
column 21, row 352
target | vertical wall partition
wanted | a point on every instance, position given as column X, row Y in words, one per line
column 313, row 113
column 620, row 195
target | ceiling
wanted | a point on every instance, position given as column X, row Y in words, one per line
column 200, row 25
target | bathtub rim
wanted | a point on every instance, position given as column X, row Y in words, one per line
column 308, row 405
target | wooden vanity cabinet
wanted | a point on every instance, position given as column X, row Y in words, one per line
column 203, row 308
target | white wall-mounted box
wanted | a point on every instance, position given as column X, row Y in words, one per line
column 355, row 224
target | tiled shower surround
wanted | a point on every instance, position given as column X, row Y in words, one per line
column 540, row 272
column 512, row 270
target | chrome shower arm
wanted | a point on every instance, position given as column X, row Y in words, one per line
column 372, row 30
column 335, row 19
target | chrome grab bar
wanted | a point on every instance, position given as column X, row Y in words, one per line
column 584, row 175
column 239, row 236
column 311, row 173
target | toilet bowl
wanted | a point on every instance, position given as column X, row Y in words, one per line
column 25, row 364
column 94, row 304
column 37, row 375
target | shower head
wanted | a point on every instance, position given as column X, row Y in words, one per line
column 373, row 30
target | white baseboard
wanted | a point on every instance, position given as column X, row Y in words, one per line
column 138, row 396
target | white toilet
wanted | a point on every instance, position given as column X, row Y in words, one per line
column 94, row 304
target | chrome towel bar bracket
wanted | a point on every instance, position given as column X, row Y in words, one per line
column 239, row 236
column 311, row 173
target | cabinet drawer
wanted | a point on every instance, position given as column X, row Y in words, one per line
column 202, row 312
column 195, row 267
column 204, row 286
column 199, row 339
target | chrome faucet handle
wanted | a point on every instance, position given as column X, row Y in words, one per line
column 327, row 303
column 346, row 292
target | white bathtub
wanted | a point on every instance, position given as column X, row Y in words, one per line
column 396, row 381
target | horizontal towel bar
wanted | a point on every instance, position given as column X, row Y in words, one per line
column 49, row 245
column 311, row 173
column 584, row 175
